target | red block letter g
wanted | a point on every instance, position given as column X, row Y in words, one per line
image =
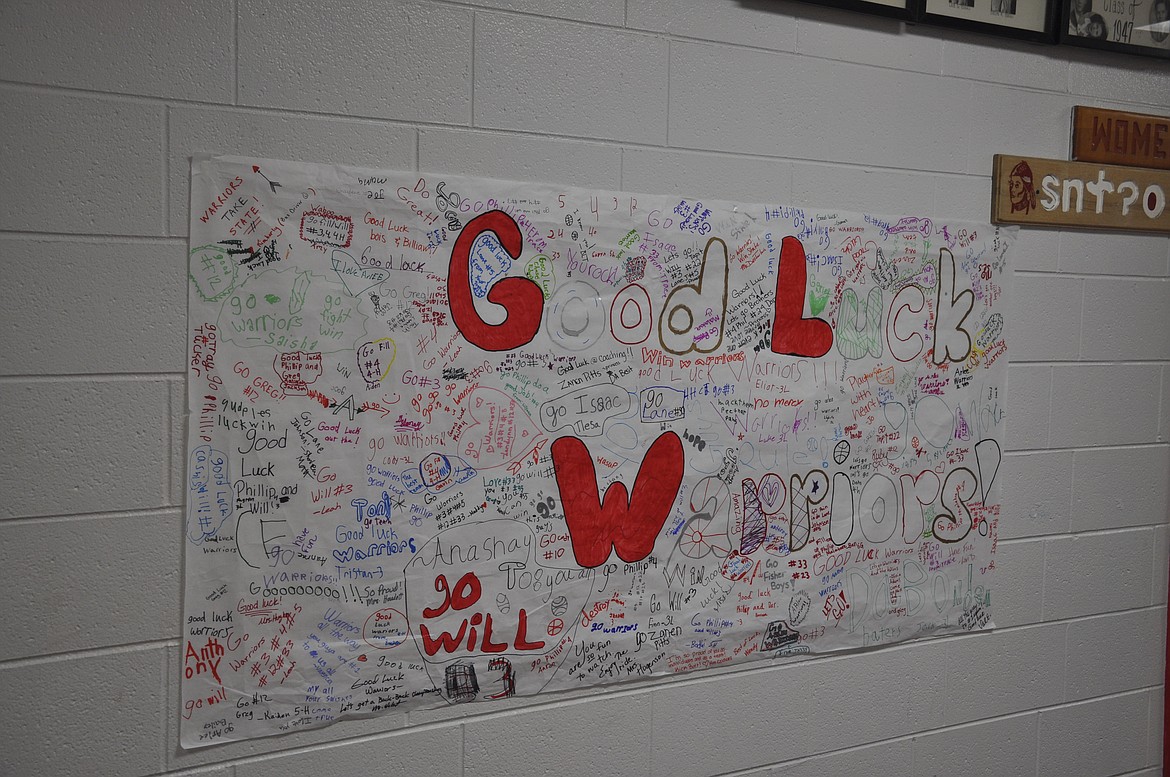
column 520, row 297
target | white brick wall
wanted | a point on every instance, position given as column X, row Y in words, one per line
column 102, row 104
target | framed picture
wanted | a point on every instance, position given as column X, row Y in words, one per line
column 1129, row 26
column 1034, row 20
column 896, row 9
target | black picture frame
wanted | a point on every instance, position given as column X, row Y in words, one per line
column 906, row 10
column 1030, row 20
column 1128, row 26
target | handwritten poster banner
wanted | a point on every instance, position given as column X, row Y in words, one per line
column 454, row 439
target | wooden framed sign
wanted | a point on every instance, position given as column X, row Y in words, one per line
column 1056, row 193
column 1120, row 137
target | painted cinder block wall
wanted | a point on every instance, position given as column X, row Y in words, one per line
column 101, row 104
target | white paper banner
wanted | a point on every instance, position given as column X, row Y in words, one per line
column 455, row 439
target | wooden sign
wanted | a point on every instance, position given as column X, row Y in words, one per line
column 1056, row 193
column 1120, row 138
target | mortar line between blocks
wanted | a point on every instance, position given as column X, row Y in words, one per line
column 463, row 748
column 1163, row 403
column 1036, row 762
column 93, row 377
column 1081, row 322
column 1051, row 391
column 20, row 234
column 1083, row 448
column 116, row 515
column 171, row 443
column 236, row 52
column 471, row 72
column 81, row 653
column 164, row 714
column 166, row 170
column 1088, row 363
column 669, row 62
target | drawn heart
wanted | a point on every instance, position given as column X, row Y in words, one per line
column 818, row 297
column 501, row 432
column 356, row 278
column 772, row 493
column 927, row 278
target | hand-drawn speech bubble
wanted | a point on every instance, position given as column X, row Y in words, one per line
column 489, row 261
column 375, row 358
column 324, row 227
column 502, row 430
column 209, row 493
column 212, row 271
column 437, row 472
column 586, row 410
column 386, row 629
column 540, row 271
column 453, row 586
column 297, row 370
column 991, row 330
column 660, row 403
column 292, row 310
column 922, row 226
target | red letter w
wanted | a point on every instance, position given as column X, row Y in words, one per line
column 629, row 524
